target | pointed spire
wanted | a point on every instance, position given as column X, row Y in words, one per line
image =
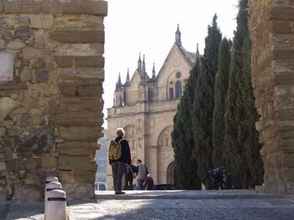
column 197, row 50
column 119, row 79
column 143, row 65
column 153, row 71
column 119, row 83
column 128, row 75
column 139, row 63
column 178, row 36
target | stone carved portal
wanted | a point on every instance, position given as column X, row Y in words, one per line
column 131, row 137
column 165, row 154
column 171, row 173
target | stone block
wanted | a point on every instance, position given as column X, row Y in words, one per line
column 23, row 33
column 87, row 119
column 282, row 13
column 283, row 54
column 89, row 91
column 285, row 78
column 84, row 176
column 49, row 161
column 77, row 190
column 69, row 90
column 31, row 53
column 78, row 22
column 2, row 166
column 42, row 21
column 80, row 133
column 79, row 61
column 20, row 6
column 286, row 114
column 282, row 27
column 67, row 176
column 76, row 163
column 32, row 163
column 7, row 105
column 16, row 45
column 84, row 7
column 1, row 7
column 78, row 104
column 85, row 49
column 77, row 148
column 2, row 131
column 82, row 73
column 41, row 75
column 76, row 90
column 76, row 36
column 26, row 75
column 2, row 44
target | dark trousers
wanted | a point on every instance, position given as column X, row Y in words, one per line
column 118, row 172
column 140, row 184
column 129, row 182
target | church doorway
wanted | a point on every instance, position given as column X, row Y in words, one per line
column 165, row 154
column 171, row 173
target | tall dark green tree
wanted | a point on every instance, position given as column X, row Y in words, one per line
column 242, row 152
column 182, row 137
column 220, row 94
column 203, row 102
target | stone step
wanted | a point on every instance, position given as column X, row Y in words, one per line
column 180, row 194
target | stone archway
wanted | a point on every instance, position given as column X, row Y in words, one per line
column 271, row 26
column 171, row 173
column 165, row 154
column 51, row 95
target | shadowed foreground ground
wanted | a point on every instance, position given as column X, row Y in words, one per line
column 229, row 205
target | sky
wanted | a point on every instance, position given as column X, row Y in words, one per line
column 148, row 27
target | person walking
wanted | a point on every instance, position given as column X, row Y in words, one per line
column 142, row 174
column 119, row 158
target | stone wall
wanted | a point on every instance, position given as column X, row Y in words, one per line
column 51, row 105
column 272, row 32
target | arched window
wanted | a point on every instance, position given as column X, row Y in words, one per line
column 171, row 93
column 150, row 94
column 178, row 89
column 125, row 98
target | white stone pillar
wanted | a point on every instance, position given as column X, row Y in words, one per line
column 51, row 179
column 56, row 208
column 55, row 185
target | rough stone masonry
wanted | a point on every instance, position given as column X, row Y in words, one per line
column 51, row 75
column 272, row 32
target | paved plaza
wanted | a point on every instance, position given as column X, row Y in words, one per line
column 167, row 205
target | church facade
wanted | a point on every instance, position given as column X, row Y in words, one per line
column 145, row 107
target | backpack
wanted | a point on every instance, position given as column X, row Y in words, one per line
column 114, row 151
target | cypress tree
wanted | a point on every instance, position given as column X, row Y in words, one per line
column 220, row 92
column 203, row 102
column 242, row 153
column 250, row 137
column 182, row 137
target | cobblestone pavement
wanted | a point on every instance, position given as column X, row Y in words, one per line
column 187, row 205
column 227, row 205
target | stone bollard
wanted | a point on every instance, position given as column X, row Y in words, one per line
column 56, row 208
column 55, row 185
column 51, row 179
